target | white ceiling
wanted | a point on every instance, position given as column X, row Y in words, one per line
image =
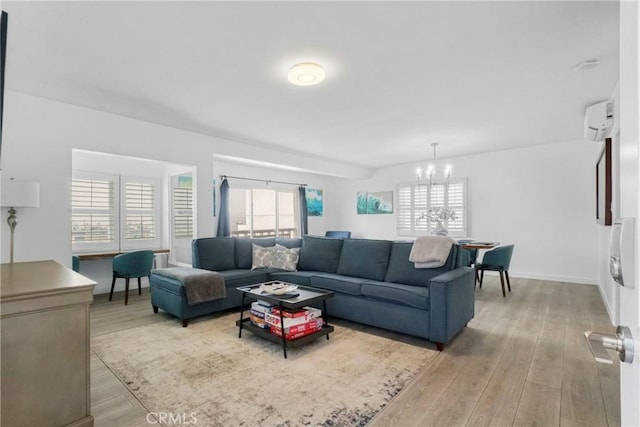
column 474, row 76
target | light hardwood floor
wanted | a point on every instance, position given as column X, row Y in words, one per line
column 521, row 361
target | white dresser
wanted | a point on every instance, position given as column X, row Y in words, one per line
column 45, row 345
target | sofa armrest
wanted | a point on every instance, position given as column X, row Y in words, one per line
column 195, row 254
column 451, row 303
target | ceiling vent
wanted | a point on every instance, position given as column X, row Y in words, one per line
column 598, row 121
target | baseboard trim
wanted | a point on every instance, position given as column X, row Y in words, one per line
column 549, row 278
column 105, row 288
column 605, row 301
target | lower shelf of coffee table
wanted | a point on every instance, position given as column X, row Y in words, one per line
column 264, row 333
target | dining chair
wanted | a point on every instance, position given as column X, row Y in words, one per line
column 497, row 259
column 334, row 234
column 131, row 265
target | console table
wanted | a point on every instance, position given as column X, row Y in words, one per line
column 45, row 345
column 106, row 255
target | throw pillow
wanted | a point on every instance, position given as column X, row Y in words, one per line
column 262, row 257
column 285, row 258
column 244, row 249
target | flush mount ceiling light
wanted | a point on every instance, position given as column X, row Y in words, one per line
column 306, row 74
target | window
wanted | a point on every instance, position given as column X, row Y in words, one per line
column 112, row 213
column 183, row 208
column 414, row 201
column 258, row 212
column 139, row 213
column 94, row 212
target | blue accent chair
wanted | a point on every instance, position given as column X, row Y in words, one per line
column 131, row 265
column 338, row 234
column 75, row 263
column 497, row 259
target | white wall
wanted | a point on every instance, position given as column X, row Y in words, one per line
column 39, row 136
column 542, row 199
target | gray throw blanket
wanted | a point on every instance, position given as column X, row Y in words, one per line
column 430, row 251
column 199, row 285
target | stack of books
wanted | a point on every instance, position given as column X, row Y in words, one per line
column 297, row 323
column 258, row 311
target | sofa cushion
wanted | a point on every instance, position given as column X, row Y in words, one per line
column 337, row 283
column 244, row 249
column 214, row 253
column 235, row 278
column 298, row 277
column 364, row 258
column 285, row 258
column 320, row 254
column 287, row 242
column 401, row 270
column 413, row 296
column 232, row 279
column 262, row 257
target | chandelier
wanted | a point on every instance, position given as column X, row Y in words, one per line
column 429, row 176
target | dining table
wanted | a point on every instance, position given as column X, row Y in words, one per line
column 478, row 245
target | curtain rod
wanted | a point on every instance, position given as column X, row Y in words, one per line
column 266, row 181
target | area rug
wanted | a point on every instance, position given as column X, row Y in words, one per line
column 205, row 373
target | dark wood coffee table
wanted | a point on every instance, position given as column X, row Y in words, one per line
column 306, row 296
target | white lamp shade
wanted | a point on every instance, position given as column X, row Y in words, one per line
column 20, row 194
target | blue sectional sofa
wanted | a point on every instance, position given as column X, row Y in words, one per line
column 373, row 280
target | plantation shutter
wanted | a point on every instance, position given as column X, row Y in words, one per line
column 183, row 212
column 404, row 211
column 456, row 201
column 140, row 216
column 421, row 203
column 414, row 201
column 94, row 212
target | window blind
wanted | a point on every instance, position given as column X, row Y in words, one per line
column 94, row 212
column 414, row 201
column 140, row 208
column 183, row 212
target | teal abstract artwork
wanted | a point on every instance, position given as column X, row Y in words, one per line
column 315, row 204
column 374, row 203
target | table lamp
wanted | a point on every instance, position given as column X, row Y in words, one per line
column 18, row 194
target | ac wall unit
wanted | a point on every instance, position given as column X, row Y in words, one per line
column 598, row 121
